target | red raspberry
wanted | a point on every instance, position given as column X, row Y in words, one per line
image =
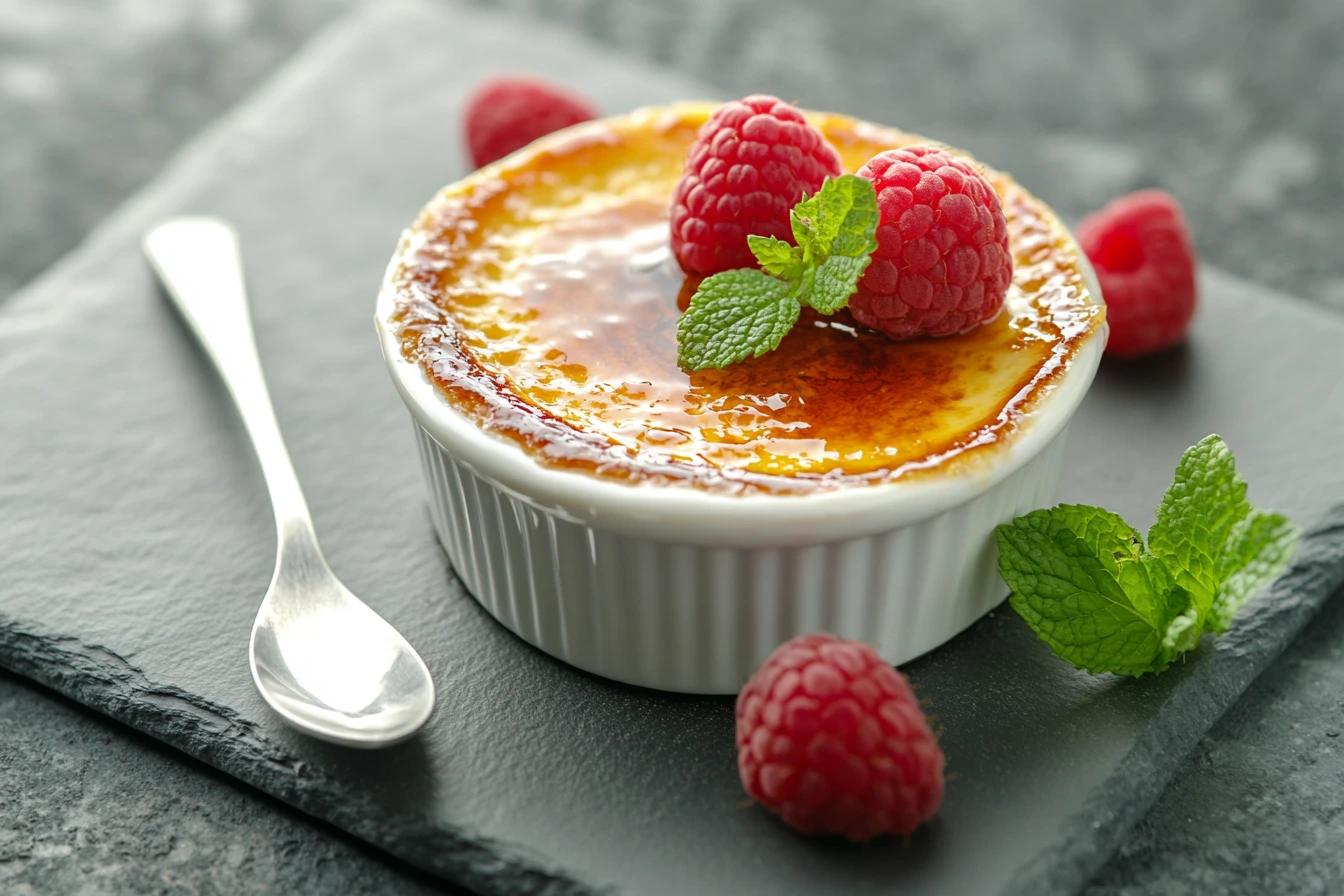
column 833, row 739
column 942, row 263
column 507, row 113
column 750, row 164
column 1140, row 248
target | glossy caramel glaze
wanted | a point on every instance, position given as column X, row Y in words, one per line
column 540, row 296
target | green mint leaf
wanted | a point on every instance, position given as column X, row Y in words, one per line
column 732, row 316
column 856, row 233
column 840, row 220
column 1070, row 594
column 1119, row 547
column 836, row 230
column 1258, row 549
column 835, row 281
column 848, row 215
column 1083, row 581
column 1182, row 633
column 1110, row 538
column 777, row 257
column 1196, row 518
column 805, row 218
column 1150, row 588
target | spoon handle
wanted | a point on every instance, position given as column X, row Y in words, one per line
column 200, row 265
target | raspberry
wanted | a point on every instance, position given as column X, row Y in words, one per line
column 942, row 263
column 750, row 164
column 507, row 113
column 832, row 739
column 1140, row 248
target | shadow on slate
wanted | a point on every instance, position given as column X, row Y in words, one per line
column 137, row 541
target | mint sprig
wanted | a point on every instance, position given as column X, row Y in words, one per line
column 747, row 312
column 1085, row 583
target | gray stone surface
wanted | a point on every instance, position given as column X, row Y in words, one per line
column 92, row 808
column 1200, row 103
column 95, row 97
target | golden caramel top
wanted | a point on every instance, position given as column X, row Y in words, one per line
column 540, row 296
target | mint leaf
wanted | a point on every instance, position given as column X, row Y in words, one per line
column 1109, row 537
column 836, row 229
column 856, row 233
column 1196, row 518
column 836, row 233
column 805, row 219
column 835, row 281
column 1144, row 579
column 777, row 257
column 1149, row 585
column 735, row 315
column 1070, row 594
column 841, row 219
column 1084, row 582
column 1182, row 634
column 1257, row 551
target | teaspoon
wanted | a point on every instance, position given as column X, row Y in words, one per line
column 332, row 667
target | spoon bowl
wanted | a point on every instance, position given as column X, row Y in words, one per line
column 337, row 670
column 330, row 665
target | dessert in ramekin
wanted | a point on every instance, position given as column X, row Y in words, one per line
column 670, row 529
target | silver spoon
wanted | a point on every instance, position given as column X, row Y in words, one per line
column 320, row 657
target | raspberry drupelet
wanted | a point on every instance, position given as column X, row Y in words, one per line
column 1140, row 247
column 942, row 263
column 832, row 738
column 750, row 164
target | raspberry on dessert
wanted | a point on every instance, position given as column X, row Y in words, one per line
column 942, row 263
column 832, row 738
column 507, row 113
column 750, row 164
column 1140, row 247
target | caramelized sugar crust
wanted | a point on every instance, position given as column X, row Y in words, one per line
column 539, row 296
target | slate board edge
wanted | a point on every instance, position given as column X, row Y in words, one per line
column 103, row 680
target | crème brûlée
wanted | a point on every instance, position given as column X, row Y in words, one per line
column 539, row 295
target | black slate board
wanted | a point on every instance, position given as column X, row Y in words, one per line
column 136, row 537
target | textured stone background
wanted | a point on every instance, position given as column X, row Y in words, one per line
column 90, row 807
column 1234, row 105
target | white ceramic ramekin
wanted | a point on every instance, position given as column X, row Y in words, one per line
column 688, row 590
